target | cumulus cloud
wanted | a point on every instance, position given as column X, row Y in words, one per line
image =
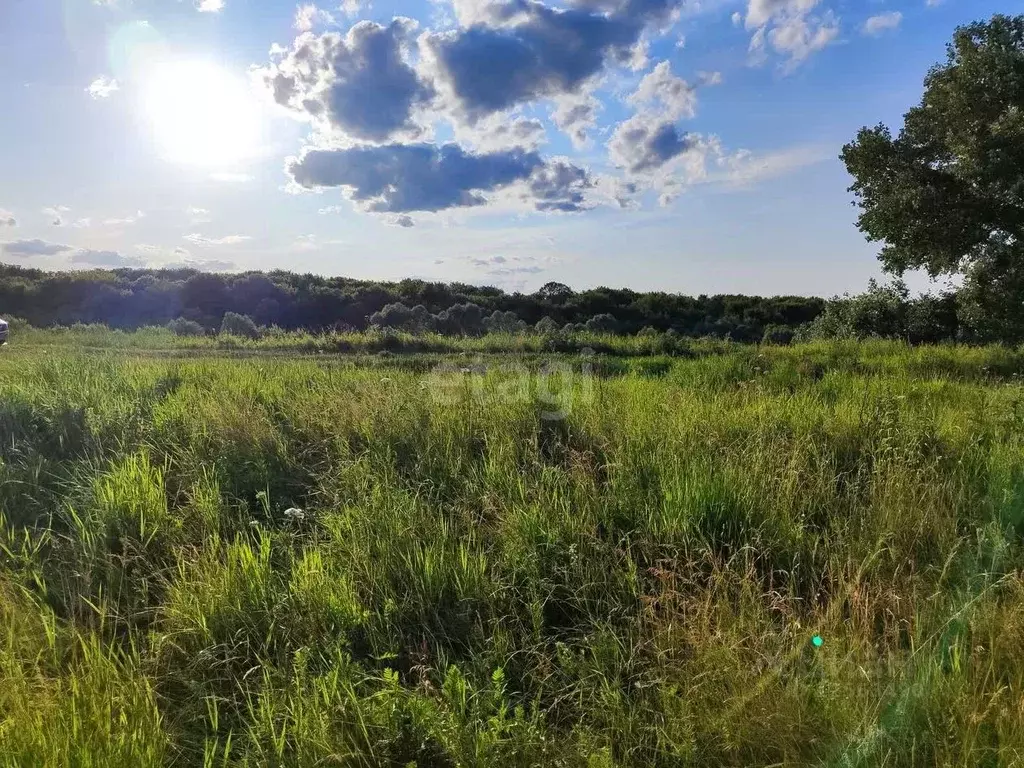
column 576, row 116
column 623, row 192
column 402, row 178
column 309, row 16
column 639, row 145
column 656, row 154
column 502, row 132
column 650, row 139
column 102, row 87
column 360, row 84
column 402, row 220
column 790, row 29
column 876, row 25
column 109, row 259
column 209, row 6
column 560, row 186
column 7, row 219
column 34, row 248
column 203, row 241
column 510, row 53
column 661, row 91
column 56, row 214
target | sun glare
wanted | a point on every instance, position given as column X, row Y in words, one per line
column 201, row 114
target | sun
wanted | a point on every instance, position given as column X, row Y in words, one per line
column 201, row 114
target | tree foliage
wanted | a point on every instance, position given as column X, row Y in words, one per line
column 946, row 195
column 132, row 298
column 235, row 324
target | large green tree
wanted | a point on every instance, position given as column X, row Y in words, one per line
column 947, row 194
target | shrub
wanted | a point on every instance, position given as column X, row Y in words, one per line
column 778, row 335
column 503, row 322
column 235, row 324
column 184, row 327
column 604, row 323
column 546, row 325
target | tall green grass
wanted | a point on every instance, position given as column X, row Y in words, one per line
column 303, row 562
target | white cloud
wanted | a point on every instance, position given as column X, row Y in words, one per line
column 203, row 241
column 305, row 244
column 789, row 29
column 576, row 116
column 361, row 85
column 501, row 131
column 108, row 259
column 198, row 215
column 102, row 87
column 308, row 16
column 33, row 248
column 745, row 168
column 650, row 140
column 7, row 218
column 761, row 12
column 119, row 222
column 876, row 25
column 201, row 265
column 403, row 178
column 665, row 94
column 56, row 214
column 209, row 6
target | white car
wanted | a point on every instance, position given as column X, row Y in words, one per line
column 3, row 331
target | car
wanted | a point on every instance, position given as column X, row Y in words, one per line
column 3, row 331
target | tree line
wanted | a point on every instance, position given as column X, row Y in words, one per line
column 134, row 298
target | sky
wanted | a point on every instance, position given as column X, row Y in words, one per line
column 682, row 145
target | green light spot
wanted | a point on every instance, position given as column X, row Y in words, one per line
column 818, row 642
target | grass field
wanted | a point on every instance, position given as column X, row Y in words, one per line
column 468, row 561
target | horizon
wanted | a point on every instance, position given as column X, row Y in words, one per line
column 684, row 147
column 449, row 283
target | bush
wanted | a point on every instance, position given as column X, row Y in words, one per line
column 503, row 322
column 183, row 327
column 235, row 324
column 546, row 325
column 778, row 335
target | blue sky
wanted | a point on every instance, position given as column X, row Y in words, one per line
column 682, row 145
